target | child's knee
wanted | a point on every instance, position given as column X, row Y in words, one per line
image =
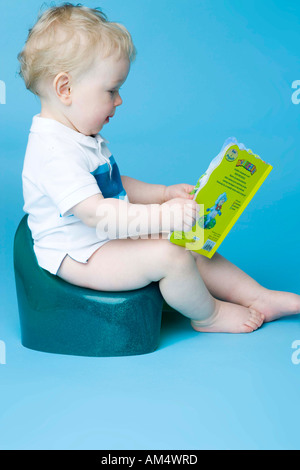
column 173, row 255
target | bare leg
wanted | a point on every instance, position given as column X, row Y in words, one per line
column 226, row 281
column 130, row 264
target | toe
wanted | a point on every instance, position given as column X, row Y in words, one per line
column 248, row 328
column 257, row 317
column 251, row 324
column 296, row 306
column 254, row 321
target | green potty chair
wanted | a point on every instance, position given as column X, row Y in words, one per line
column 58, row 317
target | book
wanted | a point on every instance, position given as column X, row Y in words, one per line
column 223, row 193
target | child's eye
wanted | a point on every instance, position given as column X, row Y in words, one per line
column 114, row 91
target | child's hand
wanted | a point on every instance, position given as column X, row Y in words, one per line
column 179, row 214
column 178, row 190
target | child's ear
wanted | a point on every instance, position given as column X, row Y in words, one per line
column 62, row 88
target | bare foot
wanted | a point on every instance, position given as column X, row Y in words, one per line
column 230, row 318
column 276, row 304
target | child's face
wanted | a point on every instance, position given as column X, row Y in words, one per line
column 96, row 96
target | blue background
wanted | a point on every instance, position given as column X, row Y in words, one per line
column 205, row 70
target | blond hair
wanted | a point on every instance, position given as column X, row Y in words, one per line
column 67, row 38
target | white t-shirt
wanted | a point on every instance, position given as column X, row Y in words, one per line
column 62, row 167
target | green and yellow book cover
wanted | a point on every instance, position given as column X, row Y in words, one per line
column 223, row 193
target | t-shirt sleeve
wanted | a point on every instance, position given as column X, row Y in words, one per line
column 66, row 179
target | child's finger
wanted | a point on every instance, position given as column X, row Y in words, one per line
column 192, row 211
column 186, row 193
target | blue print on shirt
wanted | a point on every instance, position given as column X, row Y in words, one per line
column 110, row 184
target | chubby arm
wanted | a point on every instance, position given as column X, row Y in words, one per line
column 121, row 219
column 143, row 193
column 118, row 217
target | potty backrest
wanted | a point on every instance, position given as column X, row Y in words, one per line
column 25, row 261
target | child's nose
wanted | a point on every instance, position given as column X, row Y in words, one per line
column 118, row 101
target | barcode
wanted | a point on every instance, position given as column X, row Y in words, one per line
column 208, row 246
